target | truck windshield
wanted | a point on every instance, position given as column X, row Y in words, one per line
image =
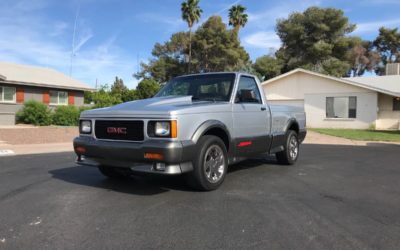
column 208, row 87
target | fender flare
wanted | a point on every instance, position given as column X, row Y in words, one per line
column 290, row 122
column 207, row 125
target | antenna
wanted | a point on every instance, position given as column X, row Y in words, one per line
column 73, row 39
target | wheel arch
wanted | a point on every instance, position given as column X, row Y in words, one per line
column 292, row 125
column 216, row 128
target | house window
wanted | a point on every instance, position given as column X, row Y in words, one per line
column 341, row 107
column 58, row 98
column 7, row 94
column 396, row 104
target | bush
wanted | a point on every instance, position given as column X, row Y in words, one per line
column 66, row 116
column 35, row 113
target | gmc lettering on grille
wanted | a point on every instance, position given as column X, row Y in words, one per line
column 115, row 130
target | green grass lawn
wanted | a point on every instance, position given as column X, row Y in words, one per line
column 361, row 134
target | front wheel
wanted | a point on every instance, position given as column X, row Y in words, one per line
column 210, row 165
column 291, row 149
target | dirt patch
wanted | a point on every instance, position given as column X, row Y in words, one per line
column 37, row 135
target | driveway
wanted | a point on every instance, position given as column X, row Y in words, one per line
column 336, row 197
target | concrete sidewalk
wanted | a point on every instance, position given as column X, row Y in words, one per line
column 23, row 149
column 317, row 138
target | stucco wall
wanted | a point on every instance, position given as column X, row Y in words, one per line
column 294, row 87
column 313, row 90
column 387, row 118
column 315, row 108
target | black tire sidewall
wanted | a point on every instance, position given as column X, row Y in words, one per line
column 201, row 180
column 289, row 135
column 283, row 157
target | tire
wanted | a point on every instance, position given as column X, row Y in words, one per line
column 112, row 172
column 210, row 164
column 291, row 149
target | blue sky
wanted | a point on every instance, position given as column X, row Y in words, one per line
column 112, row 36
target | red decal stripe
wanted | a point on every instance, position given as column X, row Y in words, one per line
column 245, row 143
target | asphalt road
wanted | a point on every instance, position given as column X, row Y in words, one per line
column 336, row 197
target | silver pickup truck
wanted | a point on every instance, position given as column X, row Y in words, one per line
column 196, row 125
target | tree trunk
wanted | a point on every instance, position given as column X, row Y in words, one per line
column 190, row 48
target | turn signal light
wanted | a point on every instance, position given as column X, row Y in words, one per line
column 174, row 129
column 153, row 156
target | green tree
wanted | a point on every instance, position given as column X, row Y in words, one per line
column 191, row 13
column 118, row 87
column 168, row 59
column 315, row 39
column 237, row 17
column 104, row 98
column 268, row 66
column 129, row 95
column 387, row 45
column 215, row 48
column 147, row 88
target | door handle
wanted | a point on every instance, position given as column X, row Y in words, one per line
column 263, row 108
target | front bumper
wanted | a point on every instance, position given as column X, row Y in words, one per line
column 177, row 155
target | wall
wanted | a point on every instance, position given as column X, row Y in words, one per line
column 315, row 107
column 295, row 86
column 8, row 110
column 312, row 90
column 387, row 118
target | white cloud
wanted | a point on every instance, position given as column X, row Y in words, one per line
column 170, row 24
column 35, row 40
column 263, row 40
column 374, row 26
column 268, row 17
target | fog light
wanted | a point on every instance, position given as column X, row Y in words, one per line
column 80, row 150
column 160, row 166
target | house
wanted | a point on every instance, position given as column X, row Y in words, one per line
column 331, row 102
column 20, row 83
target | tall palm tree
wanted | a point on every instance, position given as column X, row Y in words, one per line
column 237, row 17
column 191, row 13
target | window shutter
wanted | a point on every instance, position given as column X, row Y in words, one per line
column 46, row 97
column 71, row 98
column 20, row 95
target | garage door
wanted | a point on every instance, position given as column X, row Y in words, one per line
column 296, row 103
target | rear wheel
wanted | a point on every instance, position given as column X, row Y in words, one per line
column 291, row 149
column 113, row 172
column 210, row 164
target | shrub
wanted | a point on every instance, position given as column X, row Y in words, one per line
column 35, row 113
column 67, row 115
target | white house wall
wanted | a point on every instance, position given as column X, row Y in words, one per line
column 312, row 91
column 387, row 118
column 315, row 108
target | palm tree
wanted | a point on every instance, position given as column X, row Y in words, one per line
column 237, row 17
column 191, row 14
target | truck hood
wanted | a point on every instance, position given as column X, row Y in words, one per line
column 155, row 107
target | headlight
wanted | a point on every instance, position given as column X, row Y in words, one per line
column 86, row 127
column 163, row 128
column 166, row 129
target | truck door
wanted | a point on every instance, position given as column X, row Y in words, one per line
column 250, row 119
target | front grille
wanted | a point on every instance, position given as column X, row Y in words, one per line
column 119, row 130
